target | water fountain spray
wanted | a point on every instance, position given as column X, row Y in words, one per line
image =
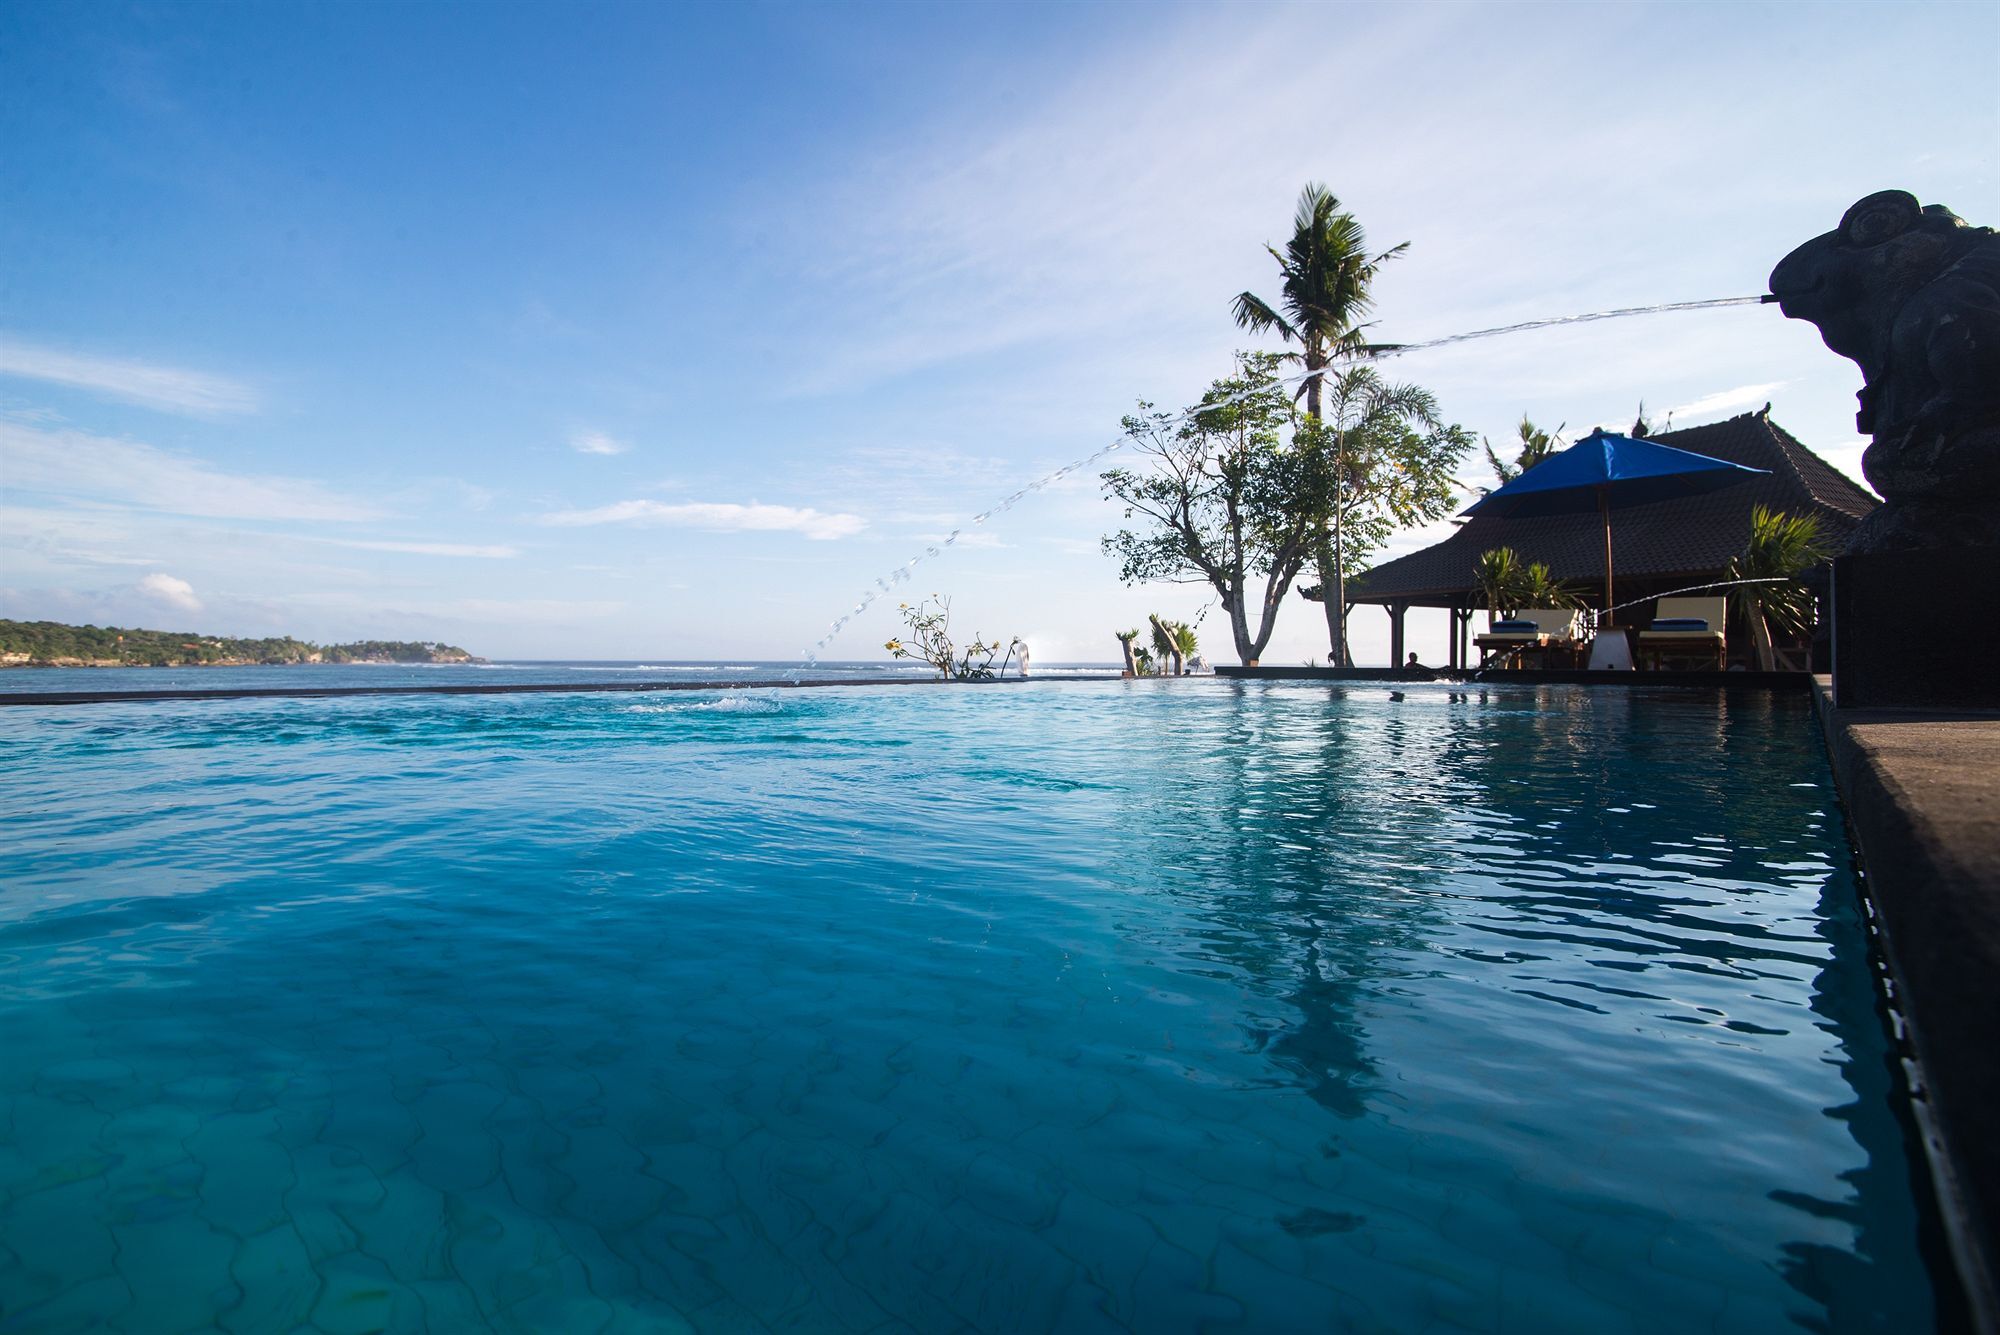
column 1379, row 352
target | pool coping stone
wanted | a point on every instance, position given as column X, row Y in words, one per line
column 1921, row 793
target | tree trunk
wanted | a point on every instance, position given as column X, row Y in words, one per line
column 1131, row 662
column 1330, row 600
column 1247, row 649
column 1760, row 640
column 1322, row 558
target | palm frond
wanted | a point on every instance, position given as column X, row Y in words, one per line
column 1254, row 313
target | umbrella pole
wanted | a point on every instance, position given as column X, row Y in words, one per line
column 1604, row 511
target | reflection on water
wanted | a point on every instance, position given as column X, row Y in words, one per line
column 1242, row 1005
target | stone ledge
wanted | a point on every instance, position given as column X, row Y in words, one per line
column 1921, row 791
column 1735, row 681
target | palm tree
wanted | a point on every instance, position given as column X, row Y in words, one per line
column 1510, row 585
column 1325, row 272
column 1165, row 649
column 1498, row 572
column 1185, row 643
column 1536, row 588
column 1536, row 445
column 1781, row 547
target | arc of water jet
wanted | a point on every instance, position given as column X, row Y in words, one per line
column 903, row 572
column 1379, row 352
column 1385, row 350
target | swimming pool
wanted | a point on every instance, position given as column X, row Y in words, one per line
column 1141, row 1005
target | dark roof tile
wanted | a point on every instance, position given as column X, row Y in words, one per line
column 1684, row 539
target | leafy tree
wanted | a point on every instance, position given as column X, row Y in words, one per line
column 1781, row 547
column 1185, row 642
column 1392, row 464
column 1238, row 495
column 1535, row 445
column 1325, row 273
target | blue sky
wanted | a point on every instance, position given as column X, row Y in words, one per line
column 661, row 332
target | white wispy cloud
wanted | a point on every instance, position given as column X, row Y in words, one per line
column 170, row 590
column 151, row 385
column 1722, row 401
column 102, row 470
column 498, row 552
column 596, row 442
column 716, row 517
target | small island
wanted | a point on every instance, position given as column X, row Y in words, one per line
column 53, row 644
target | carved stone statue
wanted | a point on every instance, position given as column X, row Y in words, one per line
column 1912, row 295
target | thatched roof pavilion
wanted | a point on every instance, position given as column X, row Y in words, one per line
column 1658, row 547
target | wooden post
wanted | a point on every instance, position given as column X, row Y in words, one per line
column 1604, row 512
column 1396, row 611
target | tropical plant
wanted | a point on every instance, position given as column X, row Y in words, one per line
column 1535, row 445
column 1143, row 665
column 1125, row 638
column 1511, row 584
column 1236, row 495
column 1185, row 643
column 1781, row 548
column 1537, row 589
column 1325, row 273
column 1498, row 571
column 929, row 631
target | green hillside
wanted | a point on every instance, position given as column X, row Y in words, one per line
column 50, row 643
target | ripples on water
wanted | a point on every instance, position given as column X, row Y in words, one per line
column 1143, row 1005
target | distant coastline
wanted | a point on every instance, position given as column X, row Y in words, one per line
column 44, row 644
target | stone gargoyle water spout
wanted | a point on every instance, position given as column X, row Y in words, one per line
column 1912, row 295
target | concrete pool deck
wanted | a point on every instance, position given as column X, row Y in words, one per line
column 1921, row 792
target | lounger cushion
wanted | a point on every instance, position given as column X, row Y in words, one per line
column 1679, row 623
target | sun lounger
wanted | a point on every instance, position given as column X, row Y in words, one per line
column 1543, row 628
column 1687, row 628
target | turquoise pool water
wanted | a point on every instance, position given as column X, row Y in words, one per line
column 314, row 676
column 1084, row 1006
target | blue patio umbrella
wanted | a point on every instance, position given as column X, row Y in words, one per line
column 1606, row 470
